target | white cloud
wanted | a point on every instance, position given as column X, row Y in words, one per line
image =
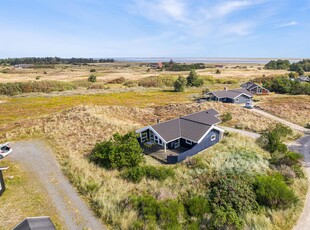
column 292, row 23
column 197, row 18
column 161, row 10
column 231, row 6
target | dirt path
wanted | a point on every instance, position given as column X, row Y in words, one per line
column 291, row 125
column 302, row 146
column 38, row 158
column 242, row 132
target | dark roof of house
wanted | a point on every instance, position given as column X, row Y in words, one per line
column 36, row 223
column 303, row 78
column 191, row 127
column 250, row 86
column 231, row 93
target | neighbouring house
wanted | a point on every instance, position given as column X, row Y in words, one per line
column 36, row 223
column 20, row 66
column 255, row 88
column 303, row 79
column 175, row 140
column 237, row 96
column 157, row 65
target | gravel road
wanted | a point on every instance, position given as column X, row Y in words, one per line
column 302, row 146
column 37, row 157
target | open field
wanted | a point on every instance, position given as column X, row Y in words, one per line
column 130, row 71
column 24, row 197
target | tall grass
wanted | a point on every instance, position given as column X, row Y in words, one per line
column 11, row 89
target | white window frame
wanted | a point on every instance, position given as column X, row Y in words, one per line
column 188, row 142
column 259, row 90
column 213, row 137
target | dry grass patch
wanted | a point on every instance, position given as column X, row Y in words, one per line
column 295, row 109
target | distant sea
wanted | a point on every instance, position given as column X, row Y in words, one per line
column 202, row 60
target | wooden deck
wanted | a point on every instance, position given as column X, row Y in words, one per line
column 159, row 153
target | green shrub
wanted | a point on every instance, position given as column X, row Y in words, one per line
column 218, row 71
column 194, row 80
column 197, row 206
column 225, row 219
column 136, row 174
column 119, row 152
column 232, row 193
column 92, row 78
column 272, row 139
column 92, row 70
column 180, row 84
column 166, row 213
column 226, row 117
column 158, row 173
column 272, row 192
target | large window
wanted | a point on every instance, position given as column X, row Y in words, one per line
column 213, row 137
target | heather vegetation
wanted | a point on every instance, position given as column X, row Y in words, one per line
column 11, row 89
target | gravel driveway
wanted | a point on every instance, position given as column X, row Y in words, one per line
column 37, row 157
column 302, row 146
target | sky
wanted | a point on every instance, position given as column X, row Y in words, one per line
column 155, row 28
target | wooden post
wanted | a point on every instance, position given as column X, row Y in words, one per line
column 165, row 147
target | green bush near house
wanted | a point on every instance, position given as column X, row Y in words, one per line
column 122, row 151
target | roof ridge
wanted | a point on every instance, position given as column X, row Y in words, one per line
column 199, row 112
column 194, row 121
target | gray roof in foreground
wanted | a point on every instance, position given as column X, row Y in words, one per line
column 36, row 223
column 191, row 127
column 231, row 93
